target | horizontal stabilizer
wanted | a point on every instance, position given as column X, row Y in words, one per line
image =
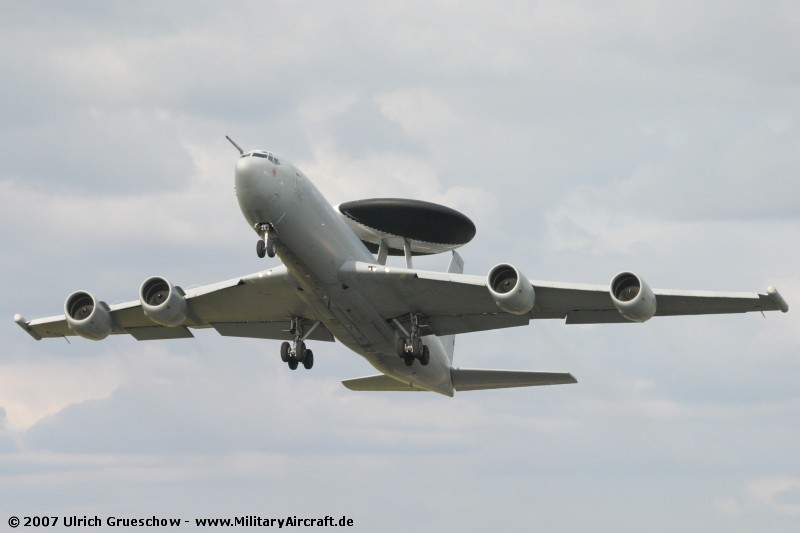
column 475, row 379
column 379, row 382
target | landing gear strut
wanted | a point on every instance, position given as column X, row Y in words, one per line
column 295, row 353
column 410, row 348
column 265, row 245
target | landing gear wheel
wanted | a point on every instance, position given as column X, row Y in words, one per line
column 416, row 347
column 285, row 348
column 300, row 351
column 308, row 360
column 261, row 248
column 425, row 358
column 270, row 247
column 401, row 347
column 409, row 359
column 293, row 363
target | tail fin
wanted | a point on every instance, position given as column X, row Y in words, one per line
column 456, row 264
column 449, row 341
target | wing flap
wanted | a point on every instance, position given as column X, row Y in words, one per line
column 267, row 330
column 152, row 333
column 600, row 316
column 454, row 324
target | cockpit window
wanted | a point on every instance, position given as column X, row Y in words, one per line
column 263, row 155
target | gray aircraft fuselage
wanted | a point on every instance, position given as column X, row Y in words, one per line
column 317, row 247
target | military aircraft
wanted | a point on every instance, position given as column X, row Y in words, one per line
column 336, row 283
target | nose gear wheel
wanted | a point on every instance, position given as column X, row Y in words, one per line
column 266, row 245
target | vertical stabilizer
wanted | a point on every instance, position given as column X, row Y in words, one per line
column 449, row 341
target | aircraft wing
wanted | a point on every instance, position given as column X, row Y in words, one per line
column 452, row 303
column 258, row 305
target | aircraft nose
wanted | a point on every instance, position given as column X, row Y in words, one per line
column 248, row 172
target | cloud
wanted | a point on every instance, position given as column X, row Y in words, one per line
column 421, row 113
column 59, row 383
column 778, row 494
column 768, row 496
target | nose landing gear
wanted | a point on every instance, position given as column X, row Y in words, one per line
column 265, row 245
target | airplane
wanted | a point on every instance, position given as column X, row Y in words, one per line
column 335, row 283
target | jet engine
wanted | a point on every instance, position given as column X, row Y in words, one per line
column 510, row 289
column 632, row 297
column 86, row 316
column 162, row 302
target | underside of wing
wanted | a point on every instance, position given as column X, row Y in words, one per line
column 681, row 303
column 260, row 305
column 451, row 303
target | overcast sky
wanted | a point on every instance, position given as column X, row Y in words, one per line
column 583, row 138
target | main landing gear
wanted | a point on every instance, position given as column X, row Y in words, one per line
column 265, row 245
column 410, row 348
column 295, row 353
column 298, row 354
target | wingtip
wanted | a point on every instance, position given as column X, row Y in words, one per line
column 776, row 297
column 21, row 322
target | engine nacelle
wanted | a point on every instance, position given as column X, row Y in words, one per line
column 632, row 297
column 510, row 289
column 86, row 316
column 162, row 302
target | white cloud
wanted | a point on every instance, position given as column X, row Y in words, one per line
column 163, row 215
column 325, row 106
column 34, row 389
column 768, row 492
column 421, row 113
column 769, row 496
column 385, row 175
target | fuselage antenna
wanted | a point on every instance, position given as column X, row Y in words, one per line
column 241, row 152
